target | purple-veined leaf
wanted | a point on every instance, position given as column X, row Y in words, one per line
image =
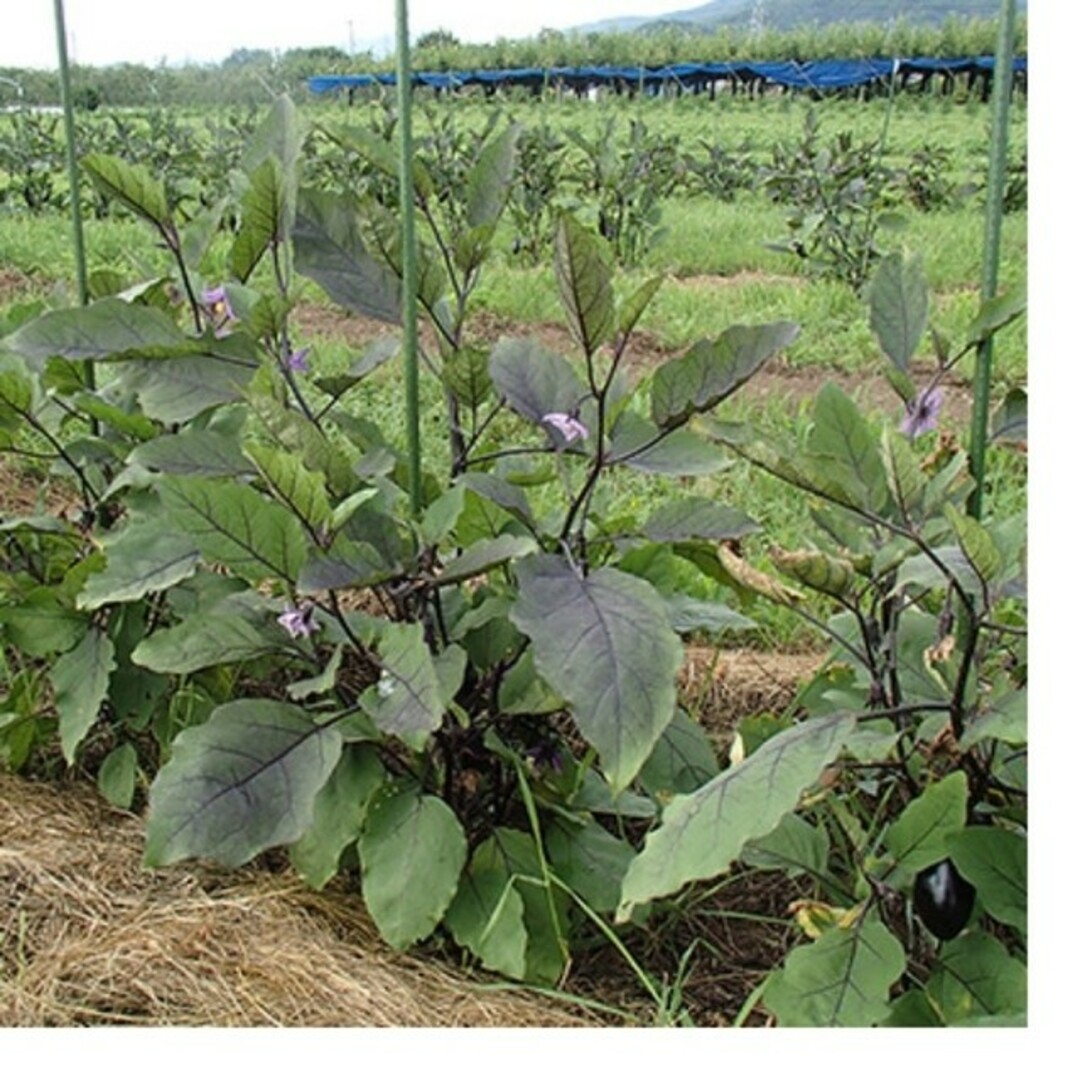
column 146, row 557
column 713, row 370
column 244, row 781
column 583, row 272
column 534, row 380
column 330, row 249
column 703, row 832
column 132, row 185
column 899, row 306
column 407, row 701
column 605, row 641
column 697, row 518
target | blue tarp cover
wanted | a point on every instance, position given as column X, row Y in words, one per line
column 812, row 75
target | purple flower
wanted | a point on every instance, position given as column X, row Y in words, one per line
column 921, row 414
column 219, row 309
column 298, row 361
column 569, row 427
column 299, row 621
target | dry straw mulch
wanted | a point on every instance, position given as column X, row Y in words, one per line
column 89, row 937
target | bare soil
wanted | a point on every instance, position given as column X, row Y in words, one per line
column 777, row 380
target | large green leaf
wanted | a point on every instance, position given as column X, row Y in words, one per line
column 906, row 480
column 697, row 518
column 235, row 525
column 534, row 380
column 146, row 557
column 207, row 640
column 589, row 859
column 841, row 980
column 348, row 564
column 299, row 488
column 192, row 453
column 279, row 137
column 118, row 774
column 242, row 782
column 640, row 445
column 997, row 312
column 918, row 837
column 994, row 860
column 484, row 555
column 42, row 624
column 407, row 701
column 977, row 544
column 606, row 643
column 16, row 398
column 80, row 681
column 688, row 614
column 713, row 370
column 499, row 491
column 899, row 306
column 339, row 812
column 465, row 374
column 487, row 915
column 682, row 761
column 109, row 328
column 412, row 852
column 201, row 375
column 545, row 907
column 846, row 451
column 262, row 218
column 488, row 186
column 977, row 977
column 1003, row 717
column 132, row 185
column 633, row 307
column 583, row 273
column 702, row 833
column 329, row 248
column 794, row 846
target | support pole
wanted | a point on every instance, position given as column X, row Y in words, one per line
column 995, row 191
column 408, row 258
column 72, row 157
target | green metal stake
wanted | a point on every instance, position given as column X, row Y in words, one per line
column 408, row 257
column 995, row 191
column 72, row 159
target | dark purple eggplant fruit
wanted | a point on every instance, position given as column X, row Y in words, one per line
column 943, row 900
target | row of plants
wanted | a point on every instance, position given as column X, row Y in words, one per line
column 840, row 191
column 259, row 613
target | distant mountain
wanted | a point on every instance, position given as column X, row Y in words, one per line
column 789, row 14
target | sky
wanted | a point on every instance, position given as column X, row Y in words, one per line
column 102, row 32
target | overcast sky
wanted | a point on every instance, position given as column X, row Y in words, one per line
column 112, row 31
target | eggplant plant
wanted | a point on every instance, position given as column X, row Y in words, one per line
column 472, row 708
